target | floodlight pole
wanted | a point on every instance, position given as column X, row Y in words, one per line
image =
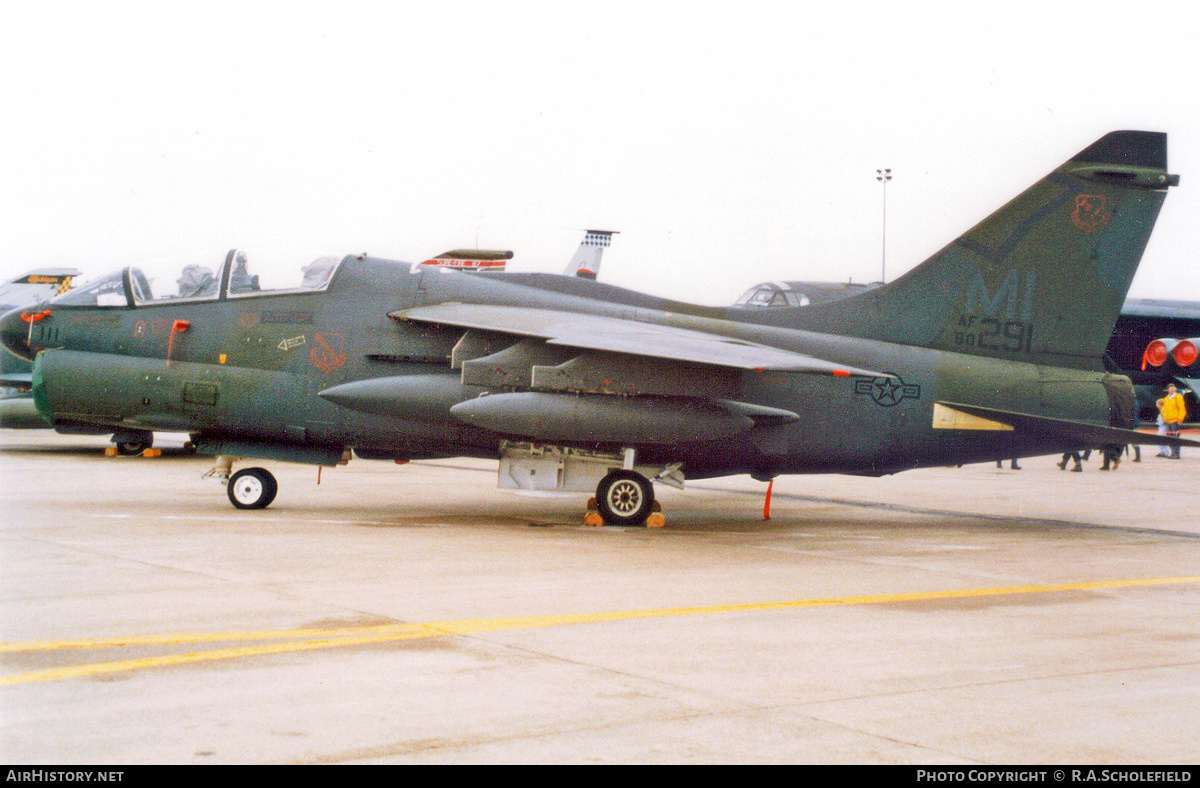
column 883, row 176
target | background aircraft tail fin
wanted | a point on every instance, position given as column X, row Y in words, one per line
column 586, row 262
column 1040, row 280
column 471, row 260
column 35, row 286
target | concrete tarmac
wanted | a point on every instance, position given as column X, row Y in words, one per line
column 416, row 614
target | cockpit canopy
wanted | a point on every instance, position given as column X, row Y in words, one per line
column 778, row 294
column 241, row 274
column 772, row 294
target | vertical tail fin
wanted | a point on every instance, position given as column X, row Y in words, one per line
column 32, row 287
column 586, row 262
column 471, row 260
column 1040, row 280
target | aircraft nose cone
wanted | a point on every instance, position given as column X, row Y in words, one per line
column 14, row 334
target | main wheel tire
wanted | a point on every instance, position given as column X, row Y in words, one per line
column 252, row 488
column 625, row 498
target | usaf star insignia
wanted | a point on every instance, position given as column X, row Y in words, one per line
column 887, row 391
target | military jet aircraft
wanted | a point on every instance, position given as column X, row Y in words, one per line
column 17, row 410
column 585, row 262
column 990, row 349
column 1155, row 343
column 479, row 260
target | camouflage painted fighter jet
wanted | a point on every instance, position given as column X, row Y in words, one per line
column 990, row 349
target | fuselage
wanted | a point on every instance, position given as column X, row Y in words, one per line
column 247, row 370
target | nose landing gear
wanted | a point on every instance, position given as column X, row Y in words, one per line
column 252, row 488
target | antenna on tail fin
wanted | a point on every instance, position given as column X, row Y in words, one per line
column 586, row 262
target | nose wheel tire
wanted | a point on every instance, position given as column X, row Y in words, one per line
column 134, row 443
column 625, row 498
column 252, row 488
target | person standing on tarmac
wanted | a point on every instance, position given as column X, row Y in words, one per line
column 1163, row 451
column 1174, row 411
column 1071, row 455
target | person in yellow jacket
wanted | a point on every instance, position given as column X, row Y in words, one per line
column 1174, row 411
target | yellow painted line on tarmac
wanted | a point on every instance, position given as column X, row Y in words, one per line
column 314, row 639
column 182, row 638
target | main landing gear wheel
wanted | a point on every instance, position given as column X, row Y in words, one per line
column 134, row 445
column 625, row 498
column 252, row 488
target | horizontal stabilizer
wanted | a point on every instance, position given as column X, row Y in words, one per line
column 1079, row 432
column 632, row 337
column 1192, row 384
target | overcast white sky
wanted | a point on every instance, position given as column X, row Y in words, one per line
column 730, row 142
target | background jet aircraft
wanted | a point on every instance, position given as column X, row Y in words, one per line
column 992, row 348
column 585, row 262
column 1155, row 343
column 35, row 286
column 483, row 260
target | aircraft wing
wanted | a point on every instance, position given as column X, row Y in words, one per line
column 629, row 337
column 1161, row 309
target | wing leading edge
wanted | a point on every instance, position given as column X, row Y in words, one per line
column 630, row 337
